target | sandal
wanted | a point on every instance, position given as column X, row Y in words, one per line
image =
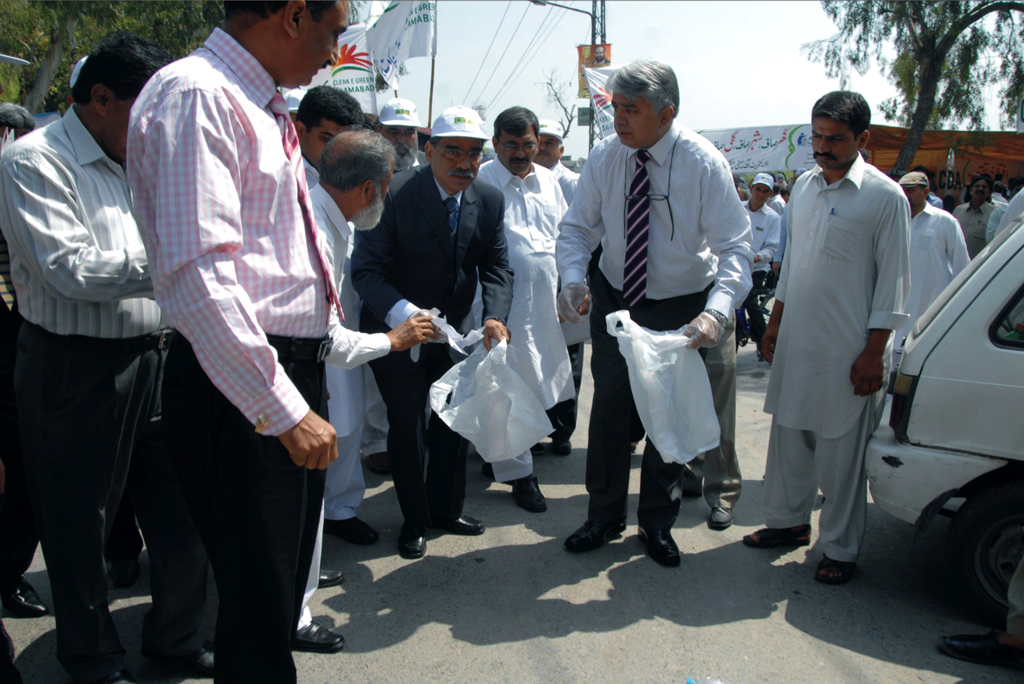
column 846, row 571
column 770, row 537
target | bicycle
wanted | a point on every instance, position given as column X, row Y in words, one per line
column 764, row 295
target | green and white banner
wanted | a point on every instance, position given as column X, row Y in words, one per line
column 765, row 148
column 353, row 72
column 405, row 29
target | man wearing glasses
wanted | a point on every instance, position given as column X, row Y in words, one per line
column 439, row 235
column 533, row 207
column 676, row 254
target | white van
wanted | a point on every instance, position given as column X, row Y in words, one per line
column 954, row 444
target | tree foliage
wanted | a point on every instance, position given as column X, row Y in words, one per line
column 559, row 94
column 55, row 35
column 940, row 56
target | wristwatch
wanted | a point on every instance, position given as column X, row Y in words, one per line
column 719, row 316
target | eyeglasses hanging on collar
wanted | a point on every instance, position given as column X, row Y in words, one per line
column 653, row 197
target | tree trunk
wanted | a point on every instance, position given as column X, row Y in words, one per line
column 48, row 65
column 930, row 72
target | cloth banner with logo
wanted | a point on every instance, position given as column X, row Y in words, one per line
column 406, row 29
column 766, row 148
column 601, row 99
column 353, row 71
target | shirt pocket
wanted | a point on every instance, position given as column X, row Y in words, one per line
column 927, row 242
column 842, row 238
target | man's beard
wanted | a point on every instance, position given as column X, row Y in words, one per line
column 368, row 218
column 405, row 156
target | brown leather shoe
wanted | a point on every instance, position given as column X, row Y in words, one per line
column 378, row 463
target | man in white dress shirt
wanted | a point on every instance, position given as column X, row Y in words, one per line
column 764, row 225
column 660, row 201
column 89, row 368
column 938, row 252
column 550, row 148
column 533, row 208
column 842, row 292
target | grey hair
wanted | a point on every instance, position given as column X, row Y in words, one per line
column 355, row 156
column 16, row 116
column 650, row 80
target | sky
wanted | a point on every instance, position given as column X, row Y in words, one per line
column 738, row 63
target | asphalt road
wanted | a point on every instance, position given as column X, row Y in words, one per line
column 514, row 606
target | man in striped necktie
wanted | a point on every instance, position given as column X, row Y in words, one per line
column 676, row 254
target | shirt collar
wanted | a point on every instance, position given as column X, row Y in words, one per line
column 506, row 177
column 661, row 149
column 855, row 174
column 324, row 199
column 444, row 194
column 251, row 74
column 312, row 173
column 87, row 150
column 762, row 210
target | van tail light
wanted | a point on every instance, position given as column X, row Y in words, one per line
column 902, row 398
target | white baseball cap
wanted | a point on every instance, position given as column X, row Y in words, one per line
column 458, row 122
column 77, row 71
column 550, row 127
column 293, row 98
column 399, row 112
column 764, row 179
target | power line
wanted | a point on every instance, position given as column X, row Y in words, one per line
column 526, row 61
column 493, row 38
column 534, row 40
column 511, row 38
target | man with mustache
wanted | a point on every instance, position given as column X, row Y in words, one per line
column 533, row 207
column 550, row 148
column 398, row 124
column 842, row 291
column 440, row 234
column 973, row 215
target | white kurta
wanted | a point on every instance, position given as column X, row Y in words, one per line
column 937, row 254
column 846, row 272
column 533, row 208
column 567, row 180
column 765, row 227
column 346, row 386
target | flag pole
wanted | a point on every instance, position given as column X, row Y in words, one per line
column 430, row 107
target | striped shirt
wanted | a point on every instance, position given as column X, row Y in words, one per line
column 709, row 220
column 77, row 261
column 216, row 200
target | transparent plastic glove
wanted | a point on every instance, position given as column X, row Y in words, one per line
column 570, row 301
column 704, row 331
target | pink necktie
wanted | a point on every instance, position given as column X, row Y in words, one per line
column 291, row 148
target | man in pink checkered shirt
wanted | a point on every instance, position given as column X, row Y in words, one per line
column 223, row 208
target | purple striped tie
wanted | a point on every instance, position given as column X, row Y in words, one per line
column 638, row 218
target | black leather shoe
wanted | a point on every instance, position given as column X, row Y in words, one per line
column 353, row 530
column 412, row 542
column 466, row 526
column 316, row 639
column 123, row 573
column 593, row 534
column 23, row 601
column 199, row 661
column 561, row 447
column 330, row 578
column 537, row 449
column 661, row 547
column 119, row 677
column 982, row 648
column 527, row 494
column 720, row 518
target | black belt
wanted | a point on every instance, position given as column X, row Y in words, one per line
column 155, row 340
column 300, row 348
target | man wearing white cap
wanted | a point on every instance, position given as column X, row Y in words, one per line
column 549, row 155
column 938, row 252
column 440, row 234
column 533, row 208
column 765, row 224
column 398, row 124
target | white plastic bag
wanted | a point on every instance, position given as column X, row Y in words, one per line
column 670, row 387
column 490, row 405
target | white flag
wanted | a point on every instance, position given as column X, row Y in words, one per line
column 353, row 72
column 601, row 99
column 406, row 29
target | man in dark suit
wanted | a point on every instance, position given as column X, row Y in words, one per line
column 440, row 233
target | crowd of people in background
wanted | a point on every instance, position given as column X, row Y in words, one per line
column 220, row 299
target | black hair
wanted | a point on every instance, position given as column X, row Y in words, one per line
column 123, row 62
column 982, row 177
column 264, row 10
column 785, row 189
column 515, row 121
column 328, row 102
column 949, row 203
column 844, row 106
column 921, row 168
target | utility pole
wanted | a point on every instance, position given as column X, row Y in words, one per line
column 597, row 28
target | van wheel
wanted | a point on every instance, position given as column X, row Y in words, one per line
column 984, row 544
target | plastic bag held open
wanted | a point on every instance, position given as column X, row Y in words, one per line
column 485, row 400
column 670, row 388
